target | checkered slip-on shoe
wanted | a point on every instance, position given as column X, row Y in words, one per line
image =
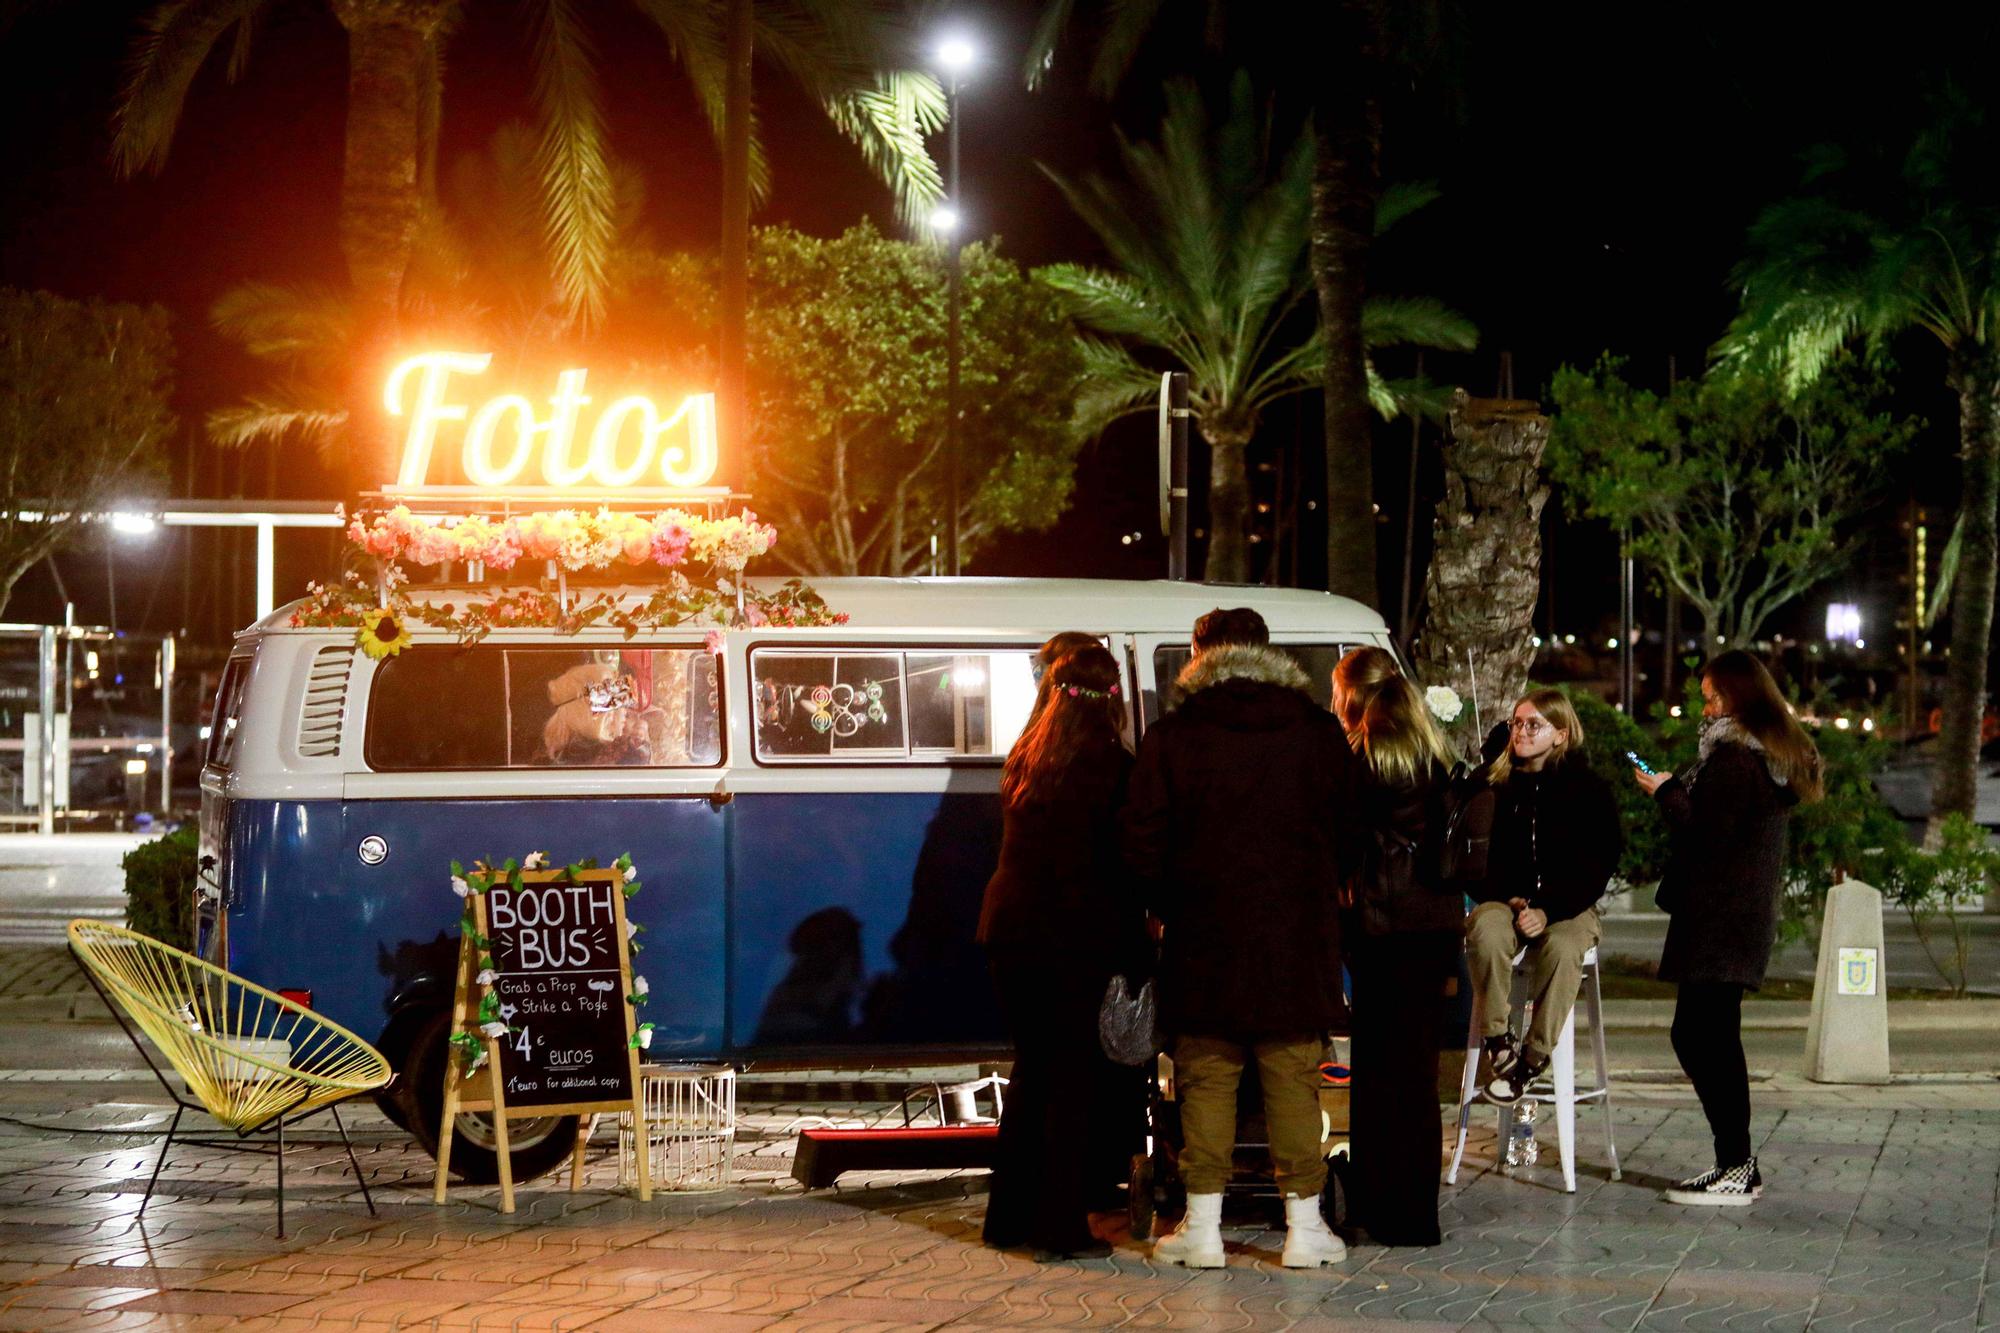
column 1734, row 1187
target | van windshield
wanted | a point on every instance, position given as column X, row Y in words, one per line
column 504, row 707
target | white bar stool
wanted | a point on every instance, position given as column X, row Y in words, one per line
column 1558, row 1086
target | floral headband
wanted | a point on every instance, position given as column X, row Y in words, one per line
column 1085, row 692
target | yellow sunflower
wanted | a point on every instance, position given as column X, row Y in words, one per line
column 382, row 634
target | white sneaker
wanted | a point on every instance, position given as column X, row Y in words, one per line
column 1733, row 1187
column 1197, row 1241
column 1308, row 1242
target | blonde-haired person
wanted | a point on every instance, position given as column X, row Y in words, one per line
column 1401, row 931
column 1727, row 815
column 1554, row 844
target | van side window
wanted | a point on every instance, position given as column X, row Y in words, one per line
column 495, row 707
column 228, row 710
column 1317, row 660
column 890, row 704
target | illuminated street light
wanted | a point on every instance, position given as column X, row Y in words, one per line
column 945, row 221
column 133, row 525
column 956, row 55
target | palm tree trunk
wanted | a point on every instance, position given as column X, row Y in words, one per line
column 1228, row 505
column 1346, row 186
column 733, row 332
column 1485, row 572
column 1975, row 378
column 388, row 51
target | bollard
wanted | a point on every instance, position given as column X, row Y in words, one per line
column 1847, row 1040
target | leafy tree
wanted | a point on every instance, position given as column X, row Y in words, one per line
column 1210, row 240
column 83, row 410
column 833, row 48
column 847, row 376
column 1871, row 247
column 1742, row 497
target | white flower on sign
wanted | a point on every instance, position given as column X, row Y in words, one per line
column 494, row 1029
column 1444, row 703
column 631, row 871
column 486, row 977
column 639, row 986
column 459, row 886
column 645, row 1036
column 536, row 861
column 631, row 927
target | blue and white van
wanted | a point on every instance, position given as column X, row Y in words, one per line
column 813, row 812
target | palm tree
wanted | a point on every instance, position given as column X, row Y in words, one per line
column 1873, row 247
column 1362, row 48
column 1210, row 238
column 832, row 47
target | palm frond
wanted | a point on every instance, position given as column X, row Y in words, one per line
column 276, row 419
column 576, row 178
column 889, row 123
column 695, row 40
column 1042, row 43
column 277, row 322
column 1418, row 397
column 1401, row 199
column 1114, row 385
column 1111, row 303
column 1415, row 321
column 1125, row 30
column 175, row 38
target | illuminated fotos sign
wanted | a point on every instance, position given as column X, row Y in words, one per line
column 508, row 445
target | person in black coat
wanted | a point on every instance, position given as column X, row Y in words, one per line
column 1402, row 933
column 1553, row 845
column 1239, row 824
column 1727, row 816
column 1058, row 919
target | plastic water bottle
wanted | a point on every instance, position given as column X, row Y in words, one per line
column 1522, row 1150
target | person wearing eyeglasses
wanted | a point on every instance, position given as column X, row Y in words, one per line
column 1554, row 845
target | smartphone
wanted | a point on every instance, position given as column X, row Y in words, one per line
column 1639, row 763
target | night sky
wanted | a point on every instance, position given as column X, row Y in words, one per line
column 1600, row 164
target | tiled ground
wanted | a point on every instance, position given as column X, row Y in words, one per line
column 1876, row 1219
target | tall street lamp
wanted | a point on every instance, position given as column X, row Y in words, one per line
column 955, row 57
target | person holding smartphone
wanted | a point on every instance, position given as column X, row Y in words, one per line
column 1554, row 845
column 1727, row 815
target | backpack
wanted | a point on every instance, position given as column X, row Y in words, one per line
column 1465, row 822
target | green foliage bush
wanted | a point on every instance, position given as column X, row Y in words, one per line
column 159, row 887
column 1930, row 884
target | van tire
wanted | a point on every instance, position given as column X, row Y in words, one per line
column 537, row 1146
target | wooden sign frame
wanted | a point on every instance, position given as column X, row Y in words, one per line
column 485, row 1089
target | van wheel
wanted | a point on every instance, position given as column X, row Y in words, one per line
column 537, row 1145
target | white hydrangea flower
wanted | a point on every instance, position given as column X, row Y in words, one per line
column 631, row 870
column 536, row 861
column 645, row 1036
column 459, row 886
column 494, row 1029
column 486, row 977
column 639, row 986
column 1444, row 703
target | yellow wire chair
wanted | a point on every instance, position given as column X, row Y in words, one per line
column 253, row 1059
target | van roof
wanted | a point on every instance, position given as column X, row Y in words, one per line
column 1007, row 604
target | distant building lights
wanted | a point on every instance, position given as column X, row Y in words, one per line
column 135, row 768
column 1868, row 724
column 1569, row 638
column 1675, row 711
column 1537, row 641
column 1611, row 643
column 1841, row 723
column 1861, row 643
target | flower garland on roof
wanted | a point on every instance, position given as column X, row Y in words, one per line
column 672, row 540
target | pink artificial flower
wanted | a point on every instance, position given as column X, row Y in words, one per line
column 670, row 541
column 713, row 642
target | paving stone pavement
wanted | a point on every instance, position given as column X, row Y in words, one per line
column 1876, row 1218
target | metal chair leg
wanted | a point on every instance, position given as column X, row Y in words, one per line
column 359, row 1178
column 281, row 1177
column 162, row 1161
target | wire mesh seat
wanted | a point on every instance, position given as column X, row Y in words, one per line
column 251, row 1058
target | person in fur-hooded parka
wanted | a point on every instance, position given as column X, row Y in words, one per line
column 1238, row 825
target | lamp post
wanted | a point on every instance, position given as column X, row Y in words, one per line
column 955, row 56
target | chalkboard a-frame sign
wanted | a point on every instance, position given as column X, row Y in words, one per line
column 561, row 972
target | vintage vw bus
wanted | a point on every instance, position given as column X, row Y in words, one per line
column 814, row 812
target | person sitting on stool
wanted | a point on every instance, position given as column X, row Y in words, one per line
column 1555, row 843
